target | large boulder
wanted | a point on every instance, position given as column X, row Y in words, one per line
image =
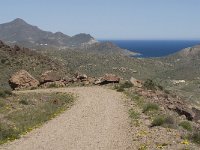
column 108, row 78
column 135, row 82
column 81, row 77
column 22, row 79
column 49, row 76
column 111, row 78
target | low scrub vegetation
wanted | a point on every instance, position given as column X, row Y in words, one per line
column 122, row 86
column 136, row 98
column 149, row 107
column 5, row 93
column 164, row 121
column 126, row 84
column 25, row 112
column 133, row 114
column 186, row 125
column 119, row 89
column 52, row 85
column 151, row 85
column 195, row 137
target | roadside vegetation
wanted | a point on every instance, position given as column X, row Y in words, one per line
column 159, row 119
column 20, row 114
column 5, row 93
column 150, row 107
column 122, row 86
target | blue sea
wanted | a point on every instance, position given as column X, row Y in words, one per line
column 154, row 48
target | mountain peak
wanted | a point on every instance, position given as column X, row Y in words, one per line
column 18, row 21
column 19, row 31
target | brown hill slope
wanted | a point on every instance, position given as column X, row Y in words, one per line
column 15, row 58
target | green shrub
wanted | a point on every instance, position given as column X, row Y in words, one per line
column 158, row 121
column 160, row 87
column 2, row 103
column 165, row 121
column 8, row 92
column 196, row 137
column 126, row 84
column 5, row 93
column 24, row 102
column 150, row 107
column 3, row 61
column 133, row 114
column 2, row 94
column 186, row 125
column 33, row 88
column 52, row 85
column 136, row 98
column 7, row 132
column 170, row 122
column 119, row 88
column 167, row 91
column 149, row 84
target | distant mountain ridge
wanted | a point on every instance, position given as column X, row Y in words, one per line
column 190, row 52
column 20, row 32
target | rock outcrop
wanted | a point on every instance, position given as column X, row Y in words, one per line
column 81, row 77
column 107, row 78
column 171, row 102
column 135, row 82
column 49, row 76
column 22, row 79
column 183, row 110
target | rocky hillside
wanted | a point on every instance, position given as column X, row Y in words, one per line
column 15, row 58
column 183, row 65
column 20, row 32
column 107, row 48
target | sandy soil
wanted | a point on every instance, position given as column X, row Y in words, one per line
column 97, row 121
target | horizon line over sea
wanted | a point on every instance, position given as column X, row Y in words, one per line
column 154, row 48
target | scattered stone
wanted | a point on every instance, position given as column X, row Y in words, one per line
column 22, row 79
column 171, row 106
column 98, row 81
column 183, row 117
column 67, row 80
column 91, row 80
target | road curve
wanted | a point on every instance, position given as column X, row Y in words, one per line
column 97, row 121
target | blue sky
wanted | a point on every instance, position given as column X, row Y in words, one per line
column 110, row 19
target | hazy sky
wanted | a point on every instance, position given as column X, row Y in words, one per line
column 110, row 19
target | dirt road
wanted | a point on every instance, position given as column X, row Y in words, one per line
column 97, row 121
